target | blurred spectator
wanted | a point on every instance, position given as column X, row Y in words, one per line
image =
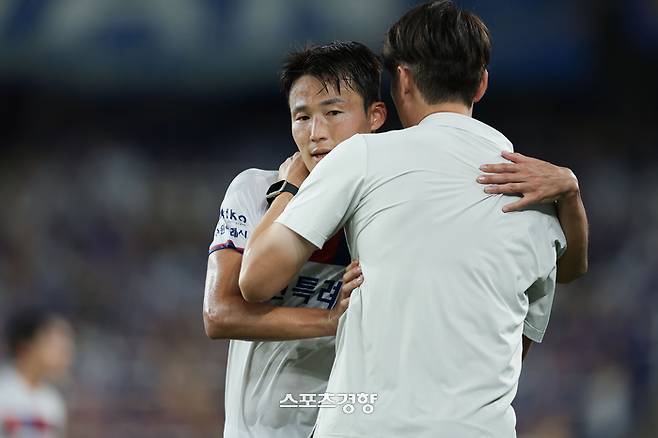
column 41, row 349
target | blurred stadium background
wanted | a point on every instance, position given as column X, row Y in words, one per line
column 124, row 121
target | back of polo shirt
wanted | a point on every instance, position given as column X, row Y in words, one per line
column 451, row 282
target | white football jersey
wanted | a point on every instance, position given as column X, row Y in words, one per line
column 27, row 412
column 271, row 386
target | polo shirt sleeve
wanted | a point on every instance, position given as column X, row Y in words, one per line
column 330, row 195
column 542, row 292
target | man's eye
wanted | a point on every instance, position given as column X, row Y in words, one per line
column 301, row 118
column 334, row 112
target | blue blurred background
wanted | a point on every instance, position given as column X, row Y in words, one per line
column 125, row 120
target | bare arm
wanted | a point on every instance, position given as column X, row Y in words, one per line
column 527, row 343
column 571, row 212
column 227, row 315
column 274, row 253
column 272, row 256
column 541, row 182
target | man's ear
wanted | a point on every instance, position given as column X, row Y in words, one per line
column 377, row 115
column 404, row 79
column 484, row 83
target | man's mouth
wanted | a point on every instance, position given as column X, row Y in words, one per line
column 318, row 157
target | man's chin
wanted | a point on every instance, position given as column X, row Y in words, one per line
column 317, row 159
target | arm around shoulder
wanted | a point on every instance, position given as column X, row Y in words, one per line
column 573, row 219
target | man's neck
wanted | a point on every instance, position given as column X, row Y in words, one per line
column 29, row 372
column 444, row 107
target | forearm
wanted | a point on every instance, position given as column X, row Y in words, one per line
column 278, row 205
column 226, row 314
column 273, row 255
column 573, row 219
column 527, row 343
column 237, row 319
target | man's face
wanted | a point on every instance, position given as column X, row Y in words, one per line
column 322, row 118
column 53, row 348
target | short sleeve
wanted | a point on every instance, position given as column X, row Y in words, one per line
column 542, row 293
column 238, row 214
column 330, row 194
column 540, row 303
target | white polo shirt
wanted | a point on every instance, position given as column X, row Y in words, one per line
column 451, row 282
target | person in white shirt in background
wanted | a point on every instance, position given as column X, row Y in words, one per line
column 41, row 348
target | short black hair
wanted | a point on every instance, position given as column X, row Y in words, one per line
column 24, row 325
column 349, row 63
column 446, row 48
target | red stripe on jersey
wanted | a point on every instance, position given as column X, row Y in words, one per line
column 226, row 245
column 12, row 424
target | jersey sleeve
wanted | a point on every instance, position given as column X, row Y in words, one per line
column 328, row 197
column 238, row 214
column 542, row 293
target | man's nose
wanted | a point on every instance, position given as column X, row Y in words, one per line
column 318, row 130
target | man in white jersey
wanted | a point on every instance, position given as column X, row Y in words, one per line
column 41, row 349
column 451, row 281
column 282, row 351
